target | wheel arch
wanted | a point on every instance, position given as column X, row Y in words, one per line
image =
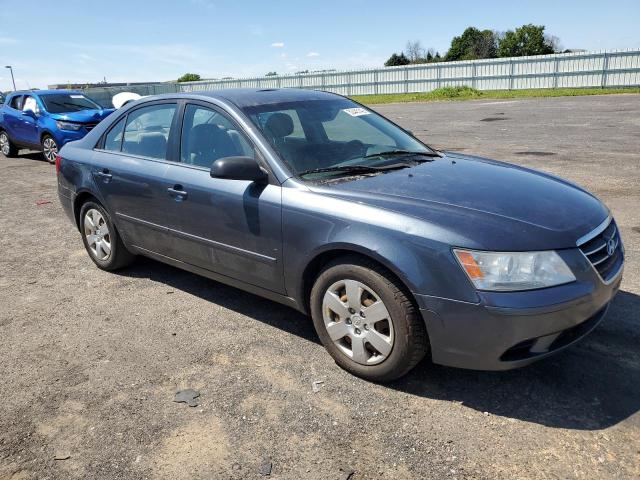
column 81, row 198
column 330, row 253
column 44, row 133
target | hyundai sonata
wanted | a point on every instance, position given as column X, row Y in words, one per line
column 395, row 249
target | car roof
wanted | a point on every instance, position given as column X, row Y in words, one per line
column 247, row 97
column 44, row 92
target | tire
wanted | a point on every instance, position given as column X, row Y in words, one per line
column 384, row 343
column 7, row 148
column 101, row 239
column 49, row 148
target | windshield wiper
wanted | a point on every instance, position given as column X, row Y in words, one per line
column 355, row 169
column 402, row 152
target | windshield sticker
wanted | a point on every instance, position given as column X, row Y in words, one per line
column 76, row 96
column 356, row 112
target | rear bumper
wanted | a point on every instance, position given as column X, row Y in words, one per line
column 67, row 198
column 498, row 334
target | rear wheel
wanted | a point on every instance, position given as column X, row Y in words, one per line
column 49, row 148
column 101, row 239
column 7, row 148
column 366, row 321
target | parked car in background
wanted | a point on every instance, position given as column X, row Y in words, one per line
column 46, row 120
column 121, row 99
column 308, row 198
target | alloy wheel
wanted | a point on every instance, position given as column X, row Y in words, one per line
column 358, row 322
column 50, row 149
column 96, row 232
column 5, row 146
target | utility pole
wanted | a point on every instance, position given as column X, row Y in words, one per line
column 12, row 79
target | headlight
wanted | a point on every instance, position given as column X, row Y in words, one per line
column 514, row 271
column 69, row 126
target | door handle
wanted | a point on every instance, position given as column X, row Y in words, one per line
column 177, row 192
column 105, row 175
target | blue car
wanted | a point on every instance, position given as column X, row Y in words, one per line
column 46, row 120
column 396, row 250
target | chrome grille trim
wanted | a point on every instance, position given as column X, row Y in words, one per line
column 595, row 232
column 607, row 266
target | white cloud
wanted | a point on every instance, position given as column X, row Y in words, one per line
column 8, row 41
column 283, row 55
column 277, row 44
column 313, row 54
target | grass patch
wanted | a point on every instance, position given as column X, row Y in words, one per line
column 468, row 93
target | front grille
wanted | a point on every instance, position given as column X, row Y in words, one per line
column 603, row 248
column 90, row 126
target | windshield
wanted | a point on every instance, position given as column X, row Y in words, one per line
column 68, row 102
column 316, row 135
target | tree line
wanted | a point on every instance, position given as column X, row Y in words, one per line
column 476, row 44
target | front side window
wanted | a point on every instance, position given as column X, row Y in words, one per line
column 207, row 135
column 30, row 104
column 147, row 131
column 68, row 102
column 335, row 134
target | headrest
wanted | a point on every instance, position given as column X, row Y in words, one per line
column 153, row 144
column 279, row 125
column 208, row 137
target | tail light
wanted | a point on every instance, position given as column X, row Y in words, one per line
column 58, row 163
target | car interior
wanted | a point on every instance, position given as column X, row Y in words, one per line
column 325, row 139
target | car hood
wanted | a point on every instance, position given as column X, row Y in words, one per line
column 483, row 203
column 84, row 116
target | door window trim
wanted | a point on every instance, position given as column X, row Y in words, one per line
column 220, row 111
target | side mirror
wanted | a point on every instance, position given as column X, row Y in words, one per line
column 238, row 168
column 29, row 113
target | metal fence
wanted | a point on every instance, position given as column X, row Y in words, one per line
column 617, row 68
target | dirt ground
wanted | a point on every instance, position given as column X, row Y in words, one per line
column 91, row 360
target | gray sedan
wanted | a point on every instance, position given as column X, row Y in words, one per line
column 396, row 250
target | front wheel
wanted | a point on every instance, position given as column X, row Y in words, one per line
column 101, row 239
column 49, row 148
column 7, row 148
column 366, row 320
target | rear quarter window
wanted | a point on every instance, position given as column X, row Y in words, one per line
column 113, row 139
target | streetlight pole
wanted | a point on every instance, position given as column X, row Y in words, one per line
column 12, row 79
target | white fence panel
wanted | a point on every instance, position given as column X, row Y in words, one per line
column 615, row 68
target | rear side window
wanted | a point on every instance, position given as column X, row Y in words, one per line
column 147, row 131
column 113, row 139
column 16, row 102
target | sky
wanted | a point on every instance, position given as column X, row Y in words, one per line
column 83, row 41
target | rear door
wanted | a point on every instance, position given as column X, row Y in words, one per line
column 131, row 164
column 232, row 227
column 12, row 116
column 27, row 127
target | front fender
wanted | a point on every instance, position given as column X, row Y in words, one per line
column 314, row 225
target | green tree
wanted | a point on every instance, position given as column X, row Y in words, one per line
column 526, row 40
column 395, row 60
column 271, row 74
column 473, row 44
column 189, row 77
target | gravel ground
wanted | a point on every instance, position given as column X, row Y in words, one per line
column 91, row 360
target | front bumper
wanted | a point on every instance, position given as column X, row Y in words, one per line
column 513, row 329
column 62, row 137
